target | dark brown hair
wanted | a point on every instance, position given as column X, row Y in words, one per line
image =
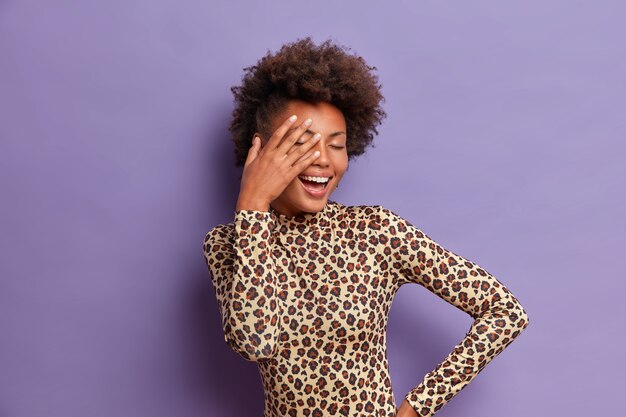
column 309, row 72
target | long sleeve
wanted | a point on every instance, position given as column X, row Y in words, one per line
column 498, row 316
column 239, row 259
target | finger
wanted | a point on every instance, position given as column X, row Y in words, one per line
column 304, row 162
column 301, row 147
column 274, row 140
column 293, row 134
column 253, row 152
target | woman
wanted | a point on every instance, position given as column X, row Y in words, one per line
column 305, row 284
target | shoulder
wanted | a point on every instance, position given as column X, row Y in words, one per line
column 344, row 212
column 389, row 221
column 221, row 233
column 374, row 213
column 372, row 216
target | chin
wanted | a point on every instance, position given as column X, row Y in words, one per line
column 313, row 206
column 299, row 200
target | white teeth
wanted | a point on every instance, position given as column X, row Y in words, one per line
column 323, row 180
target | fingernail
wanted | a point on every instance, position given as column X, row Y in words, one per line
column 308, row 122
column 293, row 118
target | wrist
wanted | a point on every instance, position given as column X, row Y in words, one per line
column 244, row 203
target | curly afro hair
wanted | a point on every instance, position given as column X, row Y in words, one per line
column 301, row 70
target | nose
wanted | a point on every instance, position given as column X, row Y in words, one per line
column 323, row 159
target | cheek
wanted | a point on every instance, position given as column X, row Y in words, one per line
column 294, row 183
column 341, row 163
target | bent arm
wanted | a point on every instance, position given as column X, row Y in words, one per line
column 498, row 316
column 242, row 269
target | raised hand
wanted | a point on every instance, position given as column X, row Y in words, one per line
column 269, row 169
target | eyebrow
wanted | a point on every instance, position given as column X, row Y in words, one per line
column 332, row 135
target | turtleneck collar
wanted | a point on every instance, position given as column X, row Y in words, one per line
column 304, row 222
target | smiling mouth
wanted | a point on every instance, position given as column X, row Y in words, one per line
column 315, row 188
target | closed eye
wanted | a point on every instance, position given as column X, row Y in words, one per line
column 332, row 146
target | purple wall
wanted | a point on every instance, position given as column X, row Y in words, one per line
column 504, row 142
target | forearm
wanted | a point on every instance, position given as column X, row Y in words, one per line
column 502, row 320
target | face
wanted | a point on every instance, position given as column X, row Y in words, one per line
column 332, row 162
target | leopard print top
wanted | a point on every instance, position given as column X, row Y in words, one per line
column 307, row 298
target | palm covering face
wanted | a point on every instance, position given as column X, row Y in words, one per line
column 269, row 169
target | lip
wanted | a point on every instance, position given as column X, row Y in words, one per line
column 317, row 175
column 316, row 194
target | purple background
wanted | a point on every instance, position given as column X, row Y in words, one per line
column 504, row 142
